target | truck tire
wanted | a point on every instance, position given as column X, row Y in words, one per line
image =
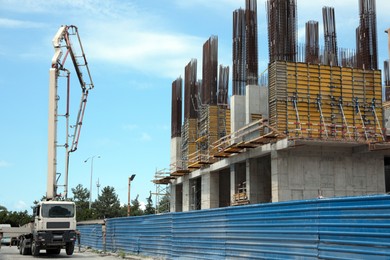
column 23, row 249
column 55, row 251
column 20, row 246
column 69, row 248
column 34, row 249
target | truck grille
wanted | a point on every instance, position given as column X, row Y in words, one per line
column 58, row 225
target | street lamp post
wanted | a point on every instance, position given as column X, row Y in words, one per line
column 90, row 185
column 128, row 195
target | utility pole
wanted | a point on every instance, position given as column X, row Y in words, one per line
column 90, row 184
column 128, row 194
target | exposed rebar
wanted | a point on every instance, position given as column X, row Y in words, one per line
column 209, row 71
column 190, row 90
column 330, row 53
column 176, row 116
column 282, row 30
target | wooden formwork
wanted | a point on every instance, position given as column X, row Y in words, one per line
column 325, row 102
column 189, row 136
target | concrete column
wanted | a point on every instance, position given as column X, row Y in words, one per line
column 232, row 181
column 252, row 102
column 172, row 206
column 175, row 154
column 210, row 190
column 186, row 193
column 237, row 113
column 249, row 177
column 264, row 102
column 275, row 176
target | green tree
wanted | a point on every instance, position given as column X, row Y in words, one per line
column 149, row 209
column 14, row 218
column 81, row 199
column 107, row 205
column 135, row 209
column 2, row 208
column 164, row 204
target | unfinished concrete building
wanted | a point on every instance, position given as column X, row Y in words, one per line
column 315, row 131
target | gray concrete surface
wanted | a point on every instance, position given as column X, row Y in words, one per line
column 12, row 253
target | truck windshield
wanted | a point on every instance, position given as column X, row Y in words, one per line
column 57, row 211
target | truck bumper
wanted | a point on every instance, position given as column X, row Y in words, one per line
column 54, row 238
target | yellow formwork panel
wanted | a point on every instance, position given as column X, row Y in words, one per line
column 326, row 101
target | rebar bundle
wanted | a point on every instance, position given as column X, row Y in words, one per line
column 282, row 30
column 223, row 86
column 330, row 53
column 239, row 52
column 251, row 42
column 176, row 116
column 312, row 43
column 209, row 71
column 190, row 90
column 368, row 46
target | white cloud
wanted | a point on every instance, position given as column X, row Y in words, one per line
column 215, row 4
column 142, row 205
column 21, row 205
column 14, row 24
column 148, row 51
column 4, row 164
column 129, row 127
column 146, row 137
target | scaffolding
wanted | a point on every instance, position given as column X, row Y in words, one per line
column 161, row 180
column 213, row 123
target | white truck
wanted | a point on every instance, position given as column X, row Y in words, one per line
column 54, row 228
column 54, row 220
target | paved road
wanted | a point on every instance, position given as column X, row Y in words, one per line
column 12, row 253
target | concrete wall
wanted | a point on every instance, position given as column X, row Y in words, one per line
column 258, row 179
column 176, row 199
column 309, row 172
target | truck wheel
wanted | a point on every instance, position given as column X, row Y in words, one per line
column 34, row 249
column 23, row 249
column 69, row 248
column 20, row 246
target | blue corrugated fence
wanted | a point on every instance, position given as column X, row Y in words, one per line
column 335, row 228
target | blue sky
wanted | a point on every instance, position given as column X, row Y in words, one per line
column 135, row 50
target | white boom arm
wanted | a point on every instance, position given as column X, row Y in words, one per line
column 62, row 41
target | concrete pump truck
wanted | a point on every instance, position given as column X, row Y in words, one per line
column 54, row 219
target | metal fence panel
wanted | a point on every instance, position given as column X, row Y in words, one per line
column 273, row 231
column 91, row 235
column 146, row 235
column 199, row 234
column 354, row 228
column 334, row 228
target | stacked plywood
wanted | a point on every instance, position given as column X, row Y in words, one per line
column 324, row 102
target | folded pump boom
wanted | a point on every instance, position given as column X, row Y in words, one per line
column 64, row 47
